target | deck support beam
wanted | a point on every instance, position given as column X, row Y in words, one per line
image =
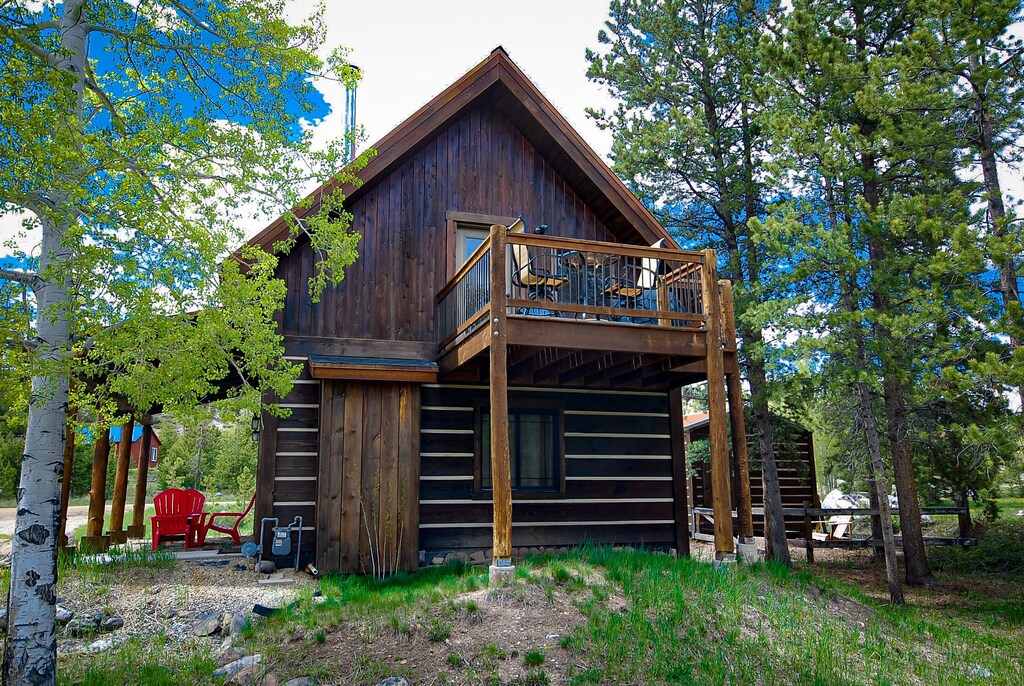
column 721, row 488
column 501, row 570
column 65, row 484
column 124, row 463
column 738, row 424
column 94, row 539
column 137, row 529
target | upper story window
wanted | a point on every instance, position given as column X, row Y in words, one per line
column 469, row 237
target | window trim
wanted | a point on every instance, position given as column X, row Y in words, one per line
column 453, row 218
column 555, row 407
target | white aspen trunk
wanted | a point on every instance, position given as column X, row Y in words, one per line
column 30, row 653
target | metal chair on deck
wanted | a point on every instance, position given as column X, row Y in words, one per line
column 635, row 282
column 529, row 272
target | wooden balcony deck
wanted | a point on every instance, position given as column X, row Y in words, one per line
column 579, row 314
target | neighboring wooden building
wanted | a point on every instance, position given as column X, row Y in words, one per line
column 573, row 345
column 154, row 448
column 794, row 455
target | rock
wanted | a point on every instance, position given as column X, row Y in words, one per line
column 105, row 644
column 79, row 626
column 394, row 681
column 301, row 681
column 206, row 624
column 3, row 618
column 455, row 558
column 155, row 589
column 112, row 623
column 254, row 675
column 478, row 556
column 233, row 668
column 236, row 623
column 438, row 560
column 170, row 612
column 976, row 671
column 64, row 615
column 266, row 567
column 228, row 656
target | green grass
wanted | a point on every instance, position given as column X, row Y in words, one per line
column 1009, row 507
column 676, row 621
column 80, row 531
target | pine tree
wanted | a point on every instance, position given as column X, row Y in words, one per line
column 687, row 142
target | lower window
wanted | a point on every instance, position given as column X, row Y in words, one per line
column 534, row 450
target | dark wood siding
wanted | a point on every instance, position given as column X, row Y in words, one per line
column 794, row 455
column 480, row 164
column 287, row 471
column 617, row 489
column 368, row 475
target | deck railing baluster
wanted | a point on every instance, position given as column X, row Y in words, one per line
column 598, row 281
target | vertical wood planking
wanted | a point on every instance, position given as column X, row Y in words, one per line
column 368, row 535
column 480, row 163
column 679, row 504
column 351, row 480
column 409, row 472
column 329, row 472
column 387, row 522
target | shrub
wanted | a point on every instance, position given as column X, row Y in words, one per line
column 1000, row 549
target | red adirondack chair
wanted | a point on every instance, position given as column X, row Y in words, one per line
column 230, row 529
column 179, row 512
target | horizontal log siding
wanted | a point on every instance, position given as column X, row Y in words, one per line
column 618, row 489
column 794, row 458
column 292, row 481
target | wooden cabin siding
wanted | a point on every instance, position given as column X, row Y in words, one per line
column 608, row 478
column 287, row 467
column 794, row 456
column 479, row 164
column 368, row 476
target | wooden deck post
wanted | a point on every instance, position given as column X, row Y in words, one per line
column 65, row 484
column 721, row 488
column 808, row 532
column 744, row 507
column 124, row 462
column 501, row 570
column 94, row 538
column 137, row 529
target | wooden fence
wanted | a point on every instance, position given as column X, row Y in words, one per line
column 816, row 522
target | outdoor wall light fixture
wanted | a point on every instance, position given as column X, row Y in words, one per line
column 255, row 424
column 541, row 229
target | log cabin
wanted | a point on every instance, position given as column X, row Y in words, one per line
column 500, row 368
column 794, row 456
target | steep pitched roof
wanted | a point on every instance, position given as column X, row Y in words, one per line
column 499, row 79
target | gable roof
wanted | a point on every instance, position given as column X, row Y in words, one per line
column 499, row 80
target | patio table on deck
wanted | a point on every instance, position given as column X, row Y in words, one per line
column 588, row 275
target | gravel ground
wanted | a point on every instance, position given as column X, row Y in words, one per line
column 167, row 600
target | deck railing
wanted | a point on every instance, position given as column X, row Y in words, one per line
column 464, row 302
column 548, row 276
